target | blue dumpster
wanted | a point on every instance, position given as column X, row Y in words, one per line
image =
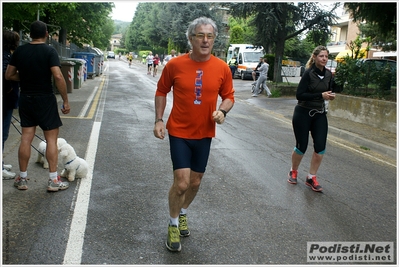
column 90, row 62
column 98, row 59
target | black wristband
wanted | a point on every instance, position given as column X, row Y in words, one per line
column 224, row 112
column 158, row 120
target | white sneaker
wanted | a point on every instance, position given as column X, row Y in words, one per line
column 7, row 167
column 57, row 184
column 8, row 174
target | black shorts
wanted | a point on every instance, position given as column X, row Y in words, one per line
column 39, row 110
column 190, row 153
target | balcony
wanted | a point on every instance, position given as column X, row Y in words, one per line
column 336, row 47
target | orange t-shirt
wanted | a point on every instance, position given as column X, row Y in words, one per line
column 196, row 87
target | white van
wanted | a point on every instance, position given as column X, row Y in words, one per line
column 247, row 57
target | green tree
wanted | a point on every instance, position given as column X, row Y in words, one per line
column 381, row 41
column 383, row 15
column 237, row 35
column 134, row 38
column 120, row 26
column 78, row 22
column 381, row 22
column 247, row 33
column 299, row 50
column 107, row 30
column 163, row 25
column 277, row 22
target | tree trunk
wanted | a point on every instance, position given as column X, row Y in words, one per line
column 278, row 59
column 62, row 36
column 280, row 42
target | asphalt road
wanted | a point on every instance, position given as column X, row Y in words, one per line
column 245, row 212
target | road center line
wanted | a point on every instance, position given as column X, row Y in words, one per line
column 73, row 253
column 74, row 248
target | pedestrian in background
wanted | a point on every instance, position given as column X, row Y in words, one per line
column 10, row 93
column 130, row 59
column 262, row 80
column 233, row 65
column 155, row 65
column 150, row 61
column 169, row 57
column 33, row 65
column 315, row 86
column 256, row 69
column 198, row 79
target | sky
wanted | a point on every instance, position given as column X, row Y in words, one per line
column 124, row 10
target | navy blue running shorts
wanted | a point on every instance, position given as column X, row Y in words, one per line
column 190, row 153
column 39, row 110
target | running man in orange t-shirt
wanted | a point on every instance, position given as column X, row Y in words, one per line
column 197, row 79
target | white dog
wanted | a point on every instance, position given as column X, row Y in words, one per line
column 41, row 155
column 74, row 166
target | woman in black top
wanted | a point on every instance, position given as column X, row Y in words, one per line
column 10, row 92
column 310, row 113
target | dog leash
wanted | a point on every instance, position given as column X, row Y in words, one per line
column 21, row 134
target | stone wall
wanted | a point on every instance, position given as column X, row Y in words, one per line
column 377, row 113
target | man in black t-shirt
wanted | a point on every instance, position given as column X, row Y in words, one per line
column 33, row 65
column 256, row 69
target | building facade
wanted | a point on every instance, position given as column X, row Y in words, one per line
column 346, row 31
column 115, row 41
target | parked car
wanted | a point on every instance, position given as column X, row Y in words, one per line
column 111, row 54
column 373, row 66
column 331, row 65
column 379, row 63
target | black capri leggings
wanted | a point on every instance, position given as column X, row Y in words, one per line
column 303, row 122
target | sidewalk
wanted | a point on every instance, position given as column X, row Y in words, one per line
column 364, row 135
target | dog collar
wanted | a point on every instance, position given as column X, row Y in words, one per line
column 69, row 162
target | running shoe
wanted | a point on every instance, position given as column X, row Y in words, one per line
column 57, row 184
column 21, row 183
column 173, row 241
column 292, row 176
column 312, row 183
column 7, row 167
column 8, row 175
column 183, row 227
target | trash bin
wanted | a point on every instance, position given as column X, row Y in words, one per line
column 101, row 59
column 84, row 73
column 78, row 71
column 90, row 62
column 67, row 69
column 98, row 61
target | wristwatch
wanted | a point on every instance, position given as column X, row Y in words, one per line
column 158, row 120
column 224, row 112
